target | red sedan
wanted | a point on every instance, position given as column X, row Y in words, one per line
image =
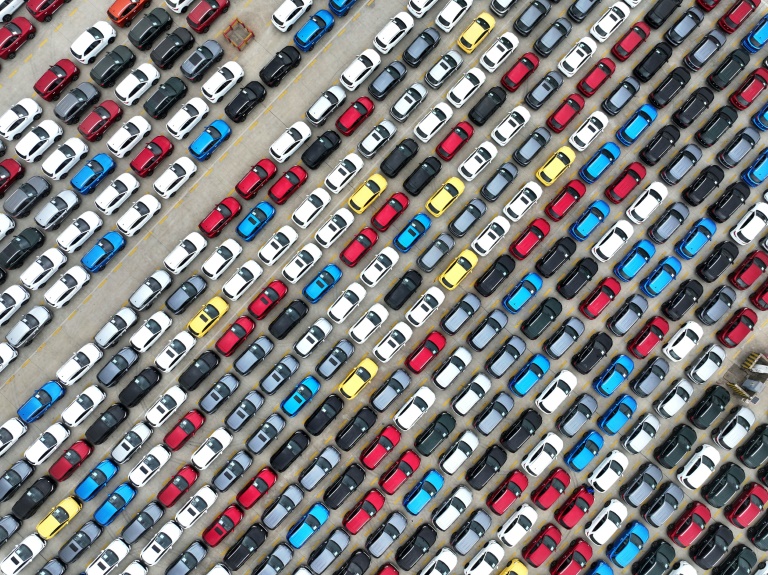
column 454, row 141
column 43, row 10
column 565, row 113
column 596, row 77
column 287, row 184
column 529, row 238
column 183, row 431
column 550, row 490
column 399, row 472
column 269, row 297
column 574, row 559
column 542, row 546
column 360, row 245
column 237, row 333
column 355, row 115
column 70, row 460
column 575, row 507
column 426, row 351
column 631, row 41
column 749, row 271
column 603, row 294
column 654, row 330
column 747, row 506
column 365, row 510
column 10, row 171
column 750, row 89
column 223, row 526
column 213, row 224
column 565, row 199
column 99, row 120
column 205, row 13
column 14, row 35
column 519, row 72
column 150, row 157
column 691, row 523
column 256, row 488
column 378, row 449
column 386, row 215
column 256, row 178
column 737, row 14
column 629, row 178
column 507, row 493
column 738, row 327
column 53, row 81
column 177, row 486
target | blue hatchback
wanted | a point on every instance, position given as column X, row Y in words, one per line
column 757, row 172
column 661, row 276
column 40, row 402
column 599, row 567
column 412, row 233
column 589, row 220
column 322, row 283
column 301, row 395
column 757, row 37
column 341, row 7
column 585, row 450
column 600, row 162
column 97, row 258
column 529, row 375
column 97, row 480
column 255, row 220
column 114, row 504
column 696, row 238
column 93, row 173
column 424, row 492
column 635, row 260
column 523, row 292
column 210, row 139
column 627, row 546
column 617, row 372
column 305, row 527
column 316, row 27
column 760, row 118
column 638, row 123
column 617, row 415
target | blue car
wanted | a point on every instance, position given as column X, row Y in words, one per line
column 424, row 492
column 662, row 275
column 617, row 372
column 305, row 527
column 322, row 283
column 412, row 233
column 97, row 258
column 757, row 172
column 599, row 567
column 523, row 292
column 760, row 118
column 210, row 139
column 584, row 451
column 97, row 480
column 301, row 395
column 598, row 164
column 635, row 260
column 638, row 123
column 255, row 220
column 627, row 546
column 696, row 238
column 617, row 415
column 757, row 37
column 341, row 7
column 316, row 27
column 529, row 375
column 41, row 401
column 589, row 220
column 93, row 173
column 114, row 504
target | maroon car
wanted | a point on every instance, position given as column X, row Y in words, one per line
column 53, row 81
column 149, row 158
column 10, row 171
column 99, row 120
column 14, row 35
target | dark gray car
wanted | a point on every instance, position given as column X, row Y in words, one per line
column 75, row 102
column 52, row 567
column 470, row 532
column 142, row 522
column 663, row 505
column 577, row 415
column 717, row 305
column 319, row 468
column 20, row 202
column 505, row 357
column 11, row 480
column 8, row 526
column 244, row 411
column 628, row 314
column 467, row 217
column 279, row 374
column 109, row 68
column 387, row 80
column 563, row 338
column 57, row 209
column 531, row 146
column 460, row 313
column 232, row 471
column 201, row 59
column 390, row 390
column 386, row 534
column 681, row 164
column 79, row 543
column 275, row 562
column 421, row 46
column 253, row 355
column 335, row 359
column 222, row 390
column 654, row 372
column 328, row 551
column 620, row 96
column 279, row 509
column 186, row 294
column 493, row 413
column 480, row 337
column 188, row 560
column 635, row 491
column 435, row 252
column 265, row 434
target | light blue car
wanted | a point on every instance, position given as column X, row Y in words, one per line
column 627, row 546
column 637, row 123
column 599, row 567
column 301, row 395
column 413, row 232
column 617, row 415
column 529, row 375
column 523, row 292
column 313, row 30
column 308, row 525
column 210, row 139
column 589, row 220
column 424, row 492
column 617, row 372
column 585, row 451
column 255, row 220
column 322, row 283
column 92, row 174
column 114, row 504
column 600, row 162
column 696, row 238
column 97, row 480
column 662, row 275
column 635, row 260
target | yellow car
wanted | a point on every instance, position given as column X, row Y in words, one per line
column 460, row 268
column 442, row 199
column 366, row 194
column 358, row 378
column 555, row 166
column 58, row 517
column 208, row 316
column 514, row 567
column 476, row 32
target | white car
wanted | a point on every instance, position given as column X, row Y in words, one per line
column 314, row 336
column 699, row 467
column 128, row 136
column 302, row 262
column 451, row 509
column 641, row 434
column 588, row 131
column 136, row 84
column 518, row 525
column 523, row 201
column 131, row 442
column 376, row 138
column 66, row 287
column 150, row 331
column 416, row 406
column 500, row 50
column 459, row 452
column 29, row 548
column 79, row 364
column 684, row 340
column 577, row 57
column 731, row 431
column 647, row 202
column 88, row 400
column 48, row 441
column 79, row 231
column 37, row 141
column 491, row 235
column 420, row 7
column 197, row 506
column 150, row 289
column 425, row 306
column 7, row 355
column 486, row 560
column 359, row 69
column 161, row 543
column 466, row 87
column 477, row 161
column 379, row 266
column 371, row 320
column 288, row 13
column 174, row 177
column 708, row 362
column 175, row 351
column 11, row 299
column 543, row 454
column 613, row 240
column 452, row 12
column 10, row 432
column 277, row 245
column 88, row 45
column 685, row 568
column 342, row 174
column 608, row 471
column 346, row 303
column 189, row 115
column 222, row 81
column 674, row 398
column 60, row 162
column 606, row 523
column 109, row 558
column 37, row 274
column 511, row 125
column 393, row 32
column 609, row 22
column 220, row 260
column 138, row 215
column 165, row 406
column 245, row 276
column 117, row 193
column 556, row 391
column 469, row 395
column 289, row 141
column 216, row 443
column 452, row 367
column 393, row 342
column 7, row 223
column 110, row 333
column 325, row 105
column 445, row 560
column 413, row 96
column 751, row 224
column 149, row 465
column 431, row 124
column 19, row 117
column 334, row 227
column 310, row 208
column 183, row 254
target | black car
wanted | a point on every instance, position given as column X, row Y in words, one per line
column 541, row 318
column 656, row 561
column 245, row 101
column 325, row 413
column 555, row 257
column 487, row 106
column 79, row 543
column 552, row 37
column 75, row 102
column 686, row 295
column 653, row 61
column 282, row 63
column 627, row 315
column 709, row 550
column 696, row 104
column 469, row 215
column 356, row 428
column 740, row 561
column 620, row 96
column 288, row 319
column 498, row 183
column 505, row 356
column 709, row 407
column 112, row 65
column 650, row 377
column 531, row 17
column 20, row 202
column 522, row 429
column 196, row 373
column 387, row 80
column 165, row 97
column 421, row 47
column 717, row 125
column 144, row 32
column 758, row 536
column 685, row 25
column 737, row 149
column 279, row 374
column 415, row 547
column 531, row 146
column 289, row 451
column 670, row 87
column 33, row 498
column 723, row 485
column 244, row 411
column 420, row 178
column 543, row 90
column 501, row 268
column 199, row 61
column 435, row 433
column 660, row 12
column 20, row 248
column 580, row 9
column 138, row 388
column 579, row 276
column 320, row 150
column 142, row 522
column 676, row 446
column 118, row 366
column 592, row 353
column 245, row 547
column 164, row 55
column 101, row 429
column 718, row 261
column 708, row 180
column 186, row 294
column 732, row 199
column 188, row 560
column 731, row 66
column 398, row 158
column 705, row 49
column 218, row 393
column 754, row 451
column 335, row 359
column 344, row 485
column 577, row 415
column 357, row 564
column 403, row 289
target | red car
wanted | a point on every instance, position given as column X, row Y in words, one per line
column 355, row 115
column 426, row 351
column 287, row 184
column 750, row 89
column 600, row 298
column 223, row 526
column 747, row 506
column 122, row 12
column 542, row 546
column 749, row 271
column 183, row 431
column 707, row 5
column 205, row 13
column 519, row 72
column 507, row 493
column 454, row 141
column 574, row 559
column 386, row 215
column 177, row 486
column 99, row 120
column 575, row 507
column 14, row 35
column 648, row 338
column 596, row 77
column 759, row 299
column 237, row 333
column 53, row 81
column 737, row 14
column 529, row 238
column 10, row 171
column 629, row 178
column 150, row 157
column 224, row 212
column 691, row 523
column 387, row 569
column 565, row 199
column 43, row 10
column 738, row 327
column 550, row 490
column 631, row 41
column 70, row 460
column 256, row 178
column 565, row 113
column 399, row 472
column 269, row 297
column 360, row 245
column 256, row 488
column 365, row 510
column 377, row 449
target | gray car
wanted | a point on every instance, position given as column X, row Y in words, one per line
column 577, row 415
column 390, row 390
column 328, row 551
column 435, row 252
column 480, row 337
column 279, row 374
column 493, row 413
column 685, row 160
column 79, row 543
column 505, row 357
column 27, row 328
column 75, row 102
column 408, row 102
column 142, row 523
column 201, row 59
column 188, row 560
column 635, row 491
column 335, row 359
column 253, row 355
column 654, row 372
column 275, row 562
column 10, row 525
column 222, row 390
column 706, row 364
column 386, row 534
column 21, row 201
column 717, row 305
column 443, row 69
column 57, row 209
column 664, row 504
column 244, row 411
column 460, row 313
column 265, row 434
column 288, row 501
column 320, row 467
column 628, row 315
column 232, row 471
column 52, row 567
column 563, row 338
column 467, row 217
column 471, row 531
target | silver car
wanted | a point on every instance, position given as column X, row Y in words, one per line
column 443, row 69
column 460, row 313
column 320, row 467
column 279, row 374
column 57, row 209
column 471, row 531
column 275, row 562
column 113, row 330
column 386, row 534
column 150, row 290
column 563, row 338
column 435, row 252
column 390, row 390
column 706, row 364
column 265, row 434
column 493, row 413
column 288, row 501
column 376, row 138
column 327, row 552
column 27, row 328
column 480, row 337
column 408, row 102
